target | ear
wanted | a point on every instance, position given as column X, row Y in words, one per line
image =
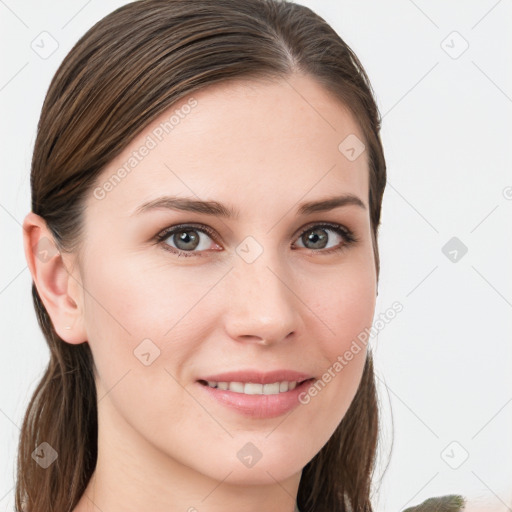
column 60, row 290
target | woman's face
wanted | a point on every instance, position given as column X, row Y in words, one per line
column 261, row 290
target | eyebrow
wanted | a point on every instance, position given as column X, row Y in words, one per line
column 218, row 209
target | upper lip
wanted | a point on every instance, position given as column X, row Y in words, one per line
column 259, row 377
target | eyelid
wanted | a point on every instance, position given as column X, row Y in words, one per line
column 319, row 224
column 165, row 233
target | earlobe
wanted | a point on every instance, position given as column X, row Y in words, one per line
column 57, row 287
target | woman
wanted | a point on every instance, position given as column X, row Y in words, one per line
column 207, row 183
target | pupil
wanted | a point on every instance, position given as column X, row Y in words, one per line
column 186, row 238
column 319, row 241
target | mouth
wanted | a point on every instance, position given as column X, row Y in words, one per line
column 256, row 400
column 255, row 388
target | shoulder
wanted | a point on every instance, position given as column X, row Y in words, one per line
column 448, row 503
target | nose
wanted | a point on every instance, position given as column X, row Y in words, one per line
column 262, row 307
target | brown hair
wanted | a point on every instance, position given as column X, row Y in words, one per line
column 124, row 72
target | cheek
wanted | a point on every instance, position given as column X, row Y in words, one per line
column 137, row 296
column 352, row 312
column 138, row 311
column 346, row 306
column 351, row 317
column 141, row 335
column 344, row 302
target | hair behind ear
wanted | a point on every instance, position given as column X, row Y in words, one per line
column 62, row 413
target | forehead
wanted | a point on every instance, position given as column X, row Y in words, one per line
column 247, row 143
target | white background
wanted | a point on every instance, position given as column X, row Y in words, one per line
column 444, row 363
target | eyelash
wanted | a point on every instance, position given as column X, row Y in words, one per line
column 347, row 234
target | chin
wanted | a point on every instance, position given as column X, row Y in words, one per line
column 259, row 474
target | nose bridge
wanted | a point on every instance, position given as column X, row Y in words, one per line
column 261, row 305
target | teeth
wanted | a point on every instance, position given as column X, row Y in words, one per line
column 237, row 387
column 248, row 389
column 251, row 388
column 271, row 389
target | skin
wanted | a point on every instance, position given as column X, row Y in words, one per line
column 262, row 148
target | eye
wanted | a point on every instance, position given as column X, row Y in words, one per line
column 184, row 239
column 317, row 236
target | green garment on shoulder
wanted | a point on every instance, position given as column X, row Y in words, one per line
column 448, row 503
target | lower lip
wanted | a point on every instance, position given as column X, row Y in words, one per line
column 259, row 406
